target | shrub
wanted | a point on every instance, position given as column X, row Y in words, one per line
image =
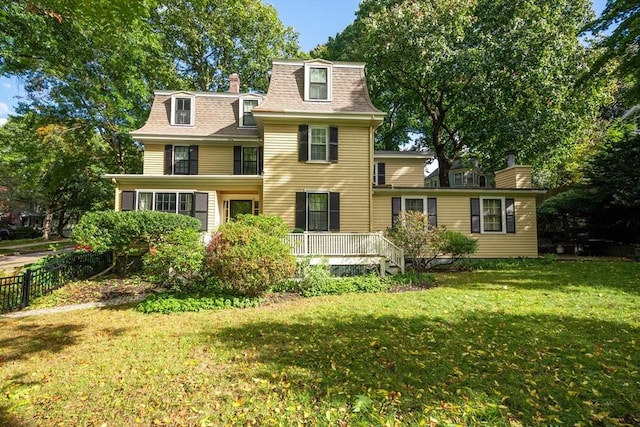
column 423, row 243
column 249, row 256
column 128, row 233
column 176, row 261
column 180, row 302
column 316, row 280
column 412, row 278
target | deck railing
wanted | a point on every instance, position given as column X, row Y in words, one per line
column 345, row 244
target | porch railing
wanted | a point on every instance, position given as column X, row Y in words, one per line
column 345, row 244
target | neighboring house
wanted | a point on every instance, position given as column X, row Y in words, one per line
column 304, row 151
column 462, row 173
column 633, row 115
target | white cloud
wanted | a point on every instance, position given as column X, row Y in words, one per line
column 2, row 122
column 7, row 85
column 4, row 109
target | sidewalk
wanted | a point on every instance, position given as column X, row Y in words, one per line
column 65, row 308
column 27, row 245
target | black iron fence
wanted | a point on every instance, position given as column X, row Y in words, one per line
column 35, row 281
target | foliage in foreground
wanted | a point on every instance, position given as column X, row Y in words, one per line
column 423, row 243
column 180, row 302
column 546, row 344
column 248, row 254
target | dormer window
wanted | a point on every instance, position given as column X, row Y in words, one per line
column 246, row 116
column 317, row 82
column 182, row 110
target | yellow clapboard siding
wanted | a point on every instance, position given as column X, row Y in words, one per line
column 404, row 172
column 284, row 175
column 153, row 159
column 454, row 212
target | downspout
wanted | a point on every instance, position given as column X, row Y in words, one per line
column 371, row 135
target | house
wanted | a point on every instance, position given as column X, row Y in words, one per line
column 305, row 151
column 462, row 173
column 633, row 115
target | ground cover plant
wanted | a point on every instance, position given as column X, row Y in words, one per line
column 532, row 344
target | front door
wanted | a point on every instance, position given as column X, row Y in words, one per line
column 237, row 207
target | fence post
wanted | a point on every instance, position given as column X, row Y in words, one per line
column 26, row 288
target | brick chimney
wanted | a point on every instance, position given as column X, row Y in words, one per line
column 234, row 83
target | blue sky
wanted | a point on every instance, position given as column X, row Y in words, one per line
column 314, row 20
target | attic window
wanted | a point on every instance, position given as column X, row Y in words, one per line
column 317, row 79
column 246, row 116
column 182, row 110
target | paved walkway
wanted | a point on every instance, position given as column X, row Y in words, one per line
column 74, row 307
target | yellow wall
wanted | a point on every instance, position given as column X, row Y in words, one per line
column 403, row 172
column 454, row 212
column 284, row 175
column 212, row 159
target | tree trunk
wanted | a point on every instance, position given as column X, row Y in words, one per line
column 61, row 223
column 46, row 225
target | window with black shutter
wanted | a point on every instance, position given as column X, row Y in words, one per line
column 180, row 160
column 317, row 211
column 475, row 215
column 510, row 208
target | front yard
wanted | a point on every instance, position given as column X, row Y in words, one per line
column 537, row 345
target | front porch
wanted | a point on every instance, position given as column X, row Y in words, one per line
column 348, row 249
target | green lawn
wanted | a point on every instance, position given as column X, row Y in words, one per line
column 549, row 344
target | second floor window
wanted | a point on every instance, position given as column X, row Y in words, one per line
column 181, row 160
column 318, row 83
column 247, row 160
column 318, row 143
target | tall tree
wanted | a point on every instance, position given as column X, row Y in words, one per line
column 478, row 76
column 207, row 40
column 622, row 45
column 53, row 166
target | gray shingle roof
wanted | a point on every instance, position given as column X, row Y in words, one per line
column 286, row 90
column 216, row 115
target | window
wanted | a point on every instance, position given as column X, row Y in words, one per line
column 247, row 160
column 469, row 178
column 318, row 211
column 318, row 143
column 493, row 215
column 180, row 160
column 457, row 179
column 166, row 202
column 191, row 203
column 246, row 116
column 426, row 205
column 317, row 77
column 182, row 110
column 379, row 173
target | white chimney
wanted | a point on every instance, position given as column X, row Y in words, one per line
column 234, row 83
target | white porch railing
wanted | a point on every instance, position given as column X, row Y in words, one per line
column 345, row 244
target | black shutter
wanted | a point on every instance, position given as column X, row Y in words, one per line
column 128, row 201
column 333, row 144
column 510, row 206
column 201, row 208
column 303, row 143
column 301, row 210
column 475, row 215
column 260, row 160
column 381, row 173
column 396, row 206
column 432, row 211
column 168, row 159
column 237, row 160
column 193, row 160
column 334, row 211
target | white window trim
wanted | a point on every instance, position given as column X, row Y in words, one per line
column 173, row 159
column 307, row 80
column 425, row 203
column 327, row 144
column 503, row 215
column 153, row 197
column 257, row 160
column 192, row 116
column 328, row 193
column 241, row 110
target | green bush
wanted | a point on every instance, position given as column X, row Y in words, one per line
column 249, row 256
column 315, row 280
column 412, row 278
column 454, row 243
column 181, row 302
column 176, row 261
